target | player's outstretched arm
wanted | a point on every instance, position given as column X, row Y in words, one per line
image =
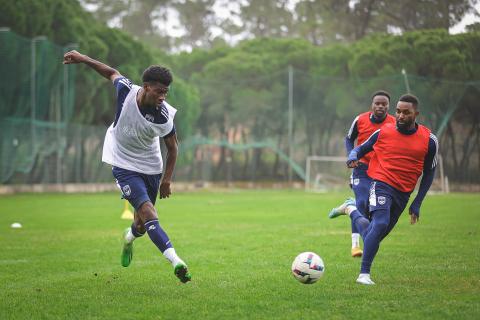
column 104, row 70
column 172, row 150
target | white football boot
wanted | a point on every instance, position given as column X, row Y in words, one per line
column 364, row 278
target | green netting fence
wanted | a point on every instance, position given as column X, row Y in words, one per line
column 36, row 104
column 250, row 129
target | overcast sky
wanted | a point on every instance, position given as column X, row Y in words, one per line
column 468, row 19
column 223, row 9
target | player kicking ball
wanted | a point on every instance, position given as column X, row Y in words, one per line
column 402, row 152
column 132, row 147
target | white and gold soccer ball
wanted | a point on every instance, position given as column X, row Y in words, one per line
column 308, row 267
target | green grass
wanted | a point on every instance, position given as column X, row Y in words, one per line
column 65, row 261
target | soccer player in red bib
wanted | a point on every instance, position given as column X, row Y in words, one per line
column 402, row 153
column 363, row 126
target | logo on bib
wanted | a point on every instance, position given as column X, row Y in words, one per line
column 126, row 190
column 149, row 117
column 382, row 200
column 356, row 182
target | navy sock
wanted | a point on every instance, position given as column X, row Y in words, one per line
column 372, row 237
column 135, row 232
column 354, row 228
column 157, row 235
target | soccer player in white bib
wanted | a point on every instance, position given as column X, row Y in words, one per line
column 132, row 147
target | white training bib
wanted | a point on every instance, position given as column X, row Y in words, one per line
column 133, row 143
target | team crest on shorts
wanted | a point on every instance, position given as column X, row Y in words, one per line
column 356, row 182
column 382, row 200
column 126, row 190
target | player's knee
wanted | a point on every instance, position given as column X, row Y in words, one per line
column 381, row 226
column 147, row 212
column 380, row 221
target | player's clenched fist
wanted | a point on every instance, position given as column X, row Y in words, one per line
column 73, row 57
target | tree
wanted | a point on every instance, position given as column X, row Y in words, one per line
column 139, row 18
column 412, row 15
column 324, row 21
column 319, row 21
column 196, row 17
column 246, row 87
column 64, row 22
column 266, row 18
column 474, row 27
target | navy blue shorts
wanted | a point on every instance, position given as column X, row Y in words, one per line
column 361, row 187
column 137, row 188
column 385, row 199
column 383, row 196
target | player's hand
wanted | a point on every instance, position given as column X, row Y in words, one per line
column 352, row 163
column 414, row 216
column 352, row 160
column 164, row 191
column 73, row 57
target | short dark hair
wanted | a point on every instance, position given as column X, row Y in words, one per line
column 381, row 93
column 157, row 74
column 411, row 99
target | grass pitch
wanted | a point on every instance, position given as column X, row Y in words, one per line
column 65, row 261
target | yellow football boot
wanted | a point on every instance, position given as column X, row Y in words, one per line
column 357, row 252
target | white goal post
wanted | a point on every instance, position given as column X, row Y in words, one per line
column 333, row 174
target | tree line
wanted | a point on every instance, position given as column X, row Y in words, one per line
column 244, row 90
column 319, row 21
column 240, row 93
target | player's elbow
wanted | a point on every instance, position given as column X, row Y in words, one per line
column 114, row 75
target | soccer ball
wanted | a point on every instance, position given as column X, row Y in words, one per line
column 308, row 267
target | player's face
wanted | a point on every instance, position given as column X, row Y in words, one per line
column 155, row 94
column 380, row 106
column 405, row 115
